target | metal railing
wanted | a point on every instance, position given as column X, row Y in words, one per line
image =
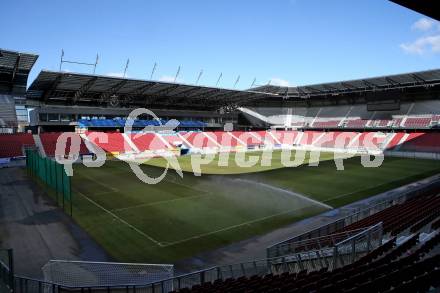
column 351, row 249
column 344, row 252
column 313, row 243
column 286, row 246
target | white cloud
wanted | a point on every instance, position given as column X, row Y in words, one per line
column 423, row 45
column 116, row 74
column 169, row 78
column 429, row 42
column 423, row 24
column 279, row 82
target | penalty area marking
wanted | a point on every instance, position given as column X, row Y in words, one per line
column 167, row 244
column 121, row 220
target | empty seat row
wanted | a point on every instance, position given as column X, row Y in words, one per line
column 11, row 145
column 84, row 123
column 390, row 268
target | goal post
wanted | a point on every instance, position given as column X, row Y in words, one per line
column 104, row 274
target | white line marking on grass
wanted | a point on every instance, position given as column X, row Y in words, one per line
column 158, row 202
column 121, row 220
column 97, row 182
column 289, row 192
column 230, row 227
column 175, row 179
column 104, row 192
column 374, row 186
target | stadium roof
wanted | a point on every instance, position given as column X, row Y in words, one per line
column 14, row 71
column 76, row 88
column 399, row 81
column 426, row 7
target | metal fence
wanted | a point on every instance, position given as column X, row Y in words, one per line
column 287, row 246
column 343, row 253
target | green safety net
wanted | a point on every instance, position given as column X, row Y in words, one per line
column 51, row 173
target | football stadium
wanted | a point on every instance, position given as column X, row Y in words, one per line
column 119, row 184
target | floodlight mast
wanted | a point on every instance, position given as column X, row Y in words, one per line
column 253, row 82
column 62, row 61
column 177, row 74
column 96, row 63
column 126, row 67
column 219, row 77
column 198, row 77
column 236, row 81
column 153, row 70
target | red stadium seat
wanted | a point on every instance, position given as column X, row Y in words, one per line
column 11, row 145
column 49, row 142
column 115, row 142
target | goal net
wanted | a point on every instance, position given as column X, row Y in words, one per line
column 90, row 274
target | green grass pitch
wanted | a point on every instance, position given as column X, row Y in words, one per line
column 179, row 217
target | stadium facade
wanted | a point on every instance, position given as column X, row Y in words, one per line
column 59, row 100
column 14, row 71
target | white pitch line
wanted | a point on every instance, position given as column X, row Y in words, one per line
column 97, row 182
column 174, row 181
column 104, row 192
column 374, row 186
column 158, row 202
column 121, row 220
column 289, row 192
column 229, row 228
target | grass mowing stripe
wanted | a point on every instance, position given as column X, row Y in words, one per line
column 232, row 227
column 119, row 219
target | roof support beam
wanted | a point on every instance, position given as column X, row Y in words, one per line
column 392, row 81
column 348, row 86
column 369, row 84
column 166, row 90
column 16, row 67
column 203, row 93
column 312, row 89
column 113, row 90
column 220, row 95
column 302, row 94
column 418, row 78
column 186, row 91
column 140, row 90
column 52, row 88
column 83, row 89
column 330, row 88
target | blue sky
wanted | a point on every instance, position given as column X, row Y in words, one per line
column 291, row 42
